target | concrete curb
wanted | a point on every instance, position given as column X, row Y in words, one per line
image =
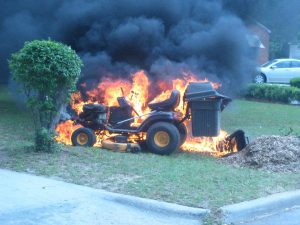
column 249, row 210
column 158, row 206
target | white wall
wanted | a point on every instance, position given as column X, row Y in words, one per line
column 294, row 51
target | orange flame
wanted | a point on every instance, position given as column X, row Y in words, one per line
column 137, row 92
column 65, row 130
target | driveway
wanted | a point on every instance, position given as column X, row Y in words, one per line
column 30, row 200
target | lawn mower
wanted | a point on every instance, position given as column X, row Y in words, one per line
column 162, row 130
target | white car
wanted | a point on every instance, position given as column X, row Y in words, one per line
column 278, row 71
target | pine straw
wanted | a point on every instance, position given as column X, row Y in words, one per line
column 272, row 153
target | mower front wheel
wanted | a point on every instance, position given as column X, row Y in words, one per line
column 163, row 138
column 83, row 137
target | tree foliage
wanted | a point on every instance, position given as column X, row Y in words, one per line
column 47, row 71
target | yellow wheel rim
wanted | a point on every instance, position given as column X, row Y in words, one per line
column 161, row 139
column 82, row 138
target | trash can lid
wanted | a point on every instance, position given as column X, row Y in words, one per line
column 200, row 90
column 194, row 87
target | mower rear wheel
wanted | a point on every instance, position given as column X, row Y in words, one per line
column 163, row 138
column 182, row 132
column 83, row 137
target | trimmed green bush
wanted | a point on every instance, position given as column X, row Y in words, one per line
column 47, row 72
column 295, row 82
column 273, row 93
column 44, row 141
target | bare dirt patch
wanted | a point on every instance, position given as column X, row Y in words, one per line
column 117, row 181
column 273, row 153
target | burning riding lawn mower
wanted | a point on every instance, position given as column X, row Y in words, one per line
column 162, row 130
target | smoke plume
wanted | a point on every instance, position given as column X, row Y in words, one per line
column 116, row 38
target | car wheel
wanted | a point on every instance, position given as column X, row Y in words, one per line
column 163, row 138
column 260, row 79
column 83, row 137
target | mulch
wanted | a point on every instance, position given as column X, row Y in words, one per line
column 272, row 153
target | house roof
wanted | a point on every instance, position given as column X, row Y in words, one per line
column 255, row 22
column 263, row 26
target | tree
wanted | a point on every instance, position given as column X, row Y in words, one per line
column 47, row 71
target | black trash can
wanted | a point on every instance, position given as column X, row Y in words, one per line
column 206, row 105
column 206, row 117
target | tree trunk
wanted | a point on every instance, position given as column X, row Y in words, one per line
column 56, row 118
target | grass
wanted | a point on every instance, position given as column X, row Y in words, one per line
column 186, row 178
column 261, row 118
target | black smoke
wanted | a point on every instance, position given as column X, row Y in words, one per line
column 163, row 37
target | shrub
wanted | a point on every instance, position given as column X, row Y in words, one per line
column 295, row 82
column 47, row 72
column 44, row 141
column 273, row 93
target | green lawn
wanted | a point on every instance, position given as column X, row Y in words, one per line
column 185, row 178
column 258, row 118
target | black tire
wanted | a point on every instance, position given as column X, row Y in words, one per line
column 83, row 137
column 182, row 132
column 260, row 78
column 163, row 138
column 143, row 146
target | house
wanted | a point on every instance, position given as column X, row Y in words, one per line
column 259, row 41
column 294, row 50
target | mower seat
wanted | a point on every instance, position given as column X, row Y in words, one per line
column 167, row 105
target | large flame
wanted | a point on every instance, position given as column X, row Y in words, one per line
column 137, row 91
column 65, row 130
